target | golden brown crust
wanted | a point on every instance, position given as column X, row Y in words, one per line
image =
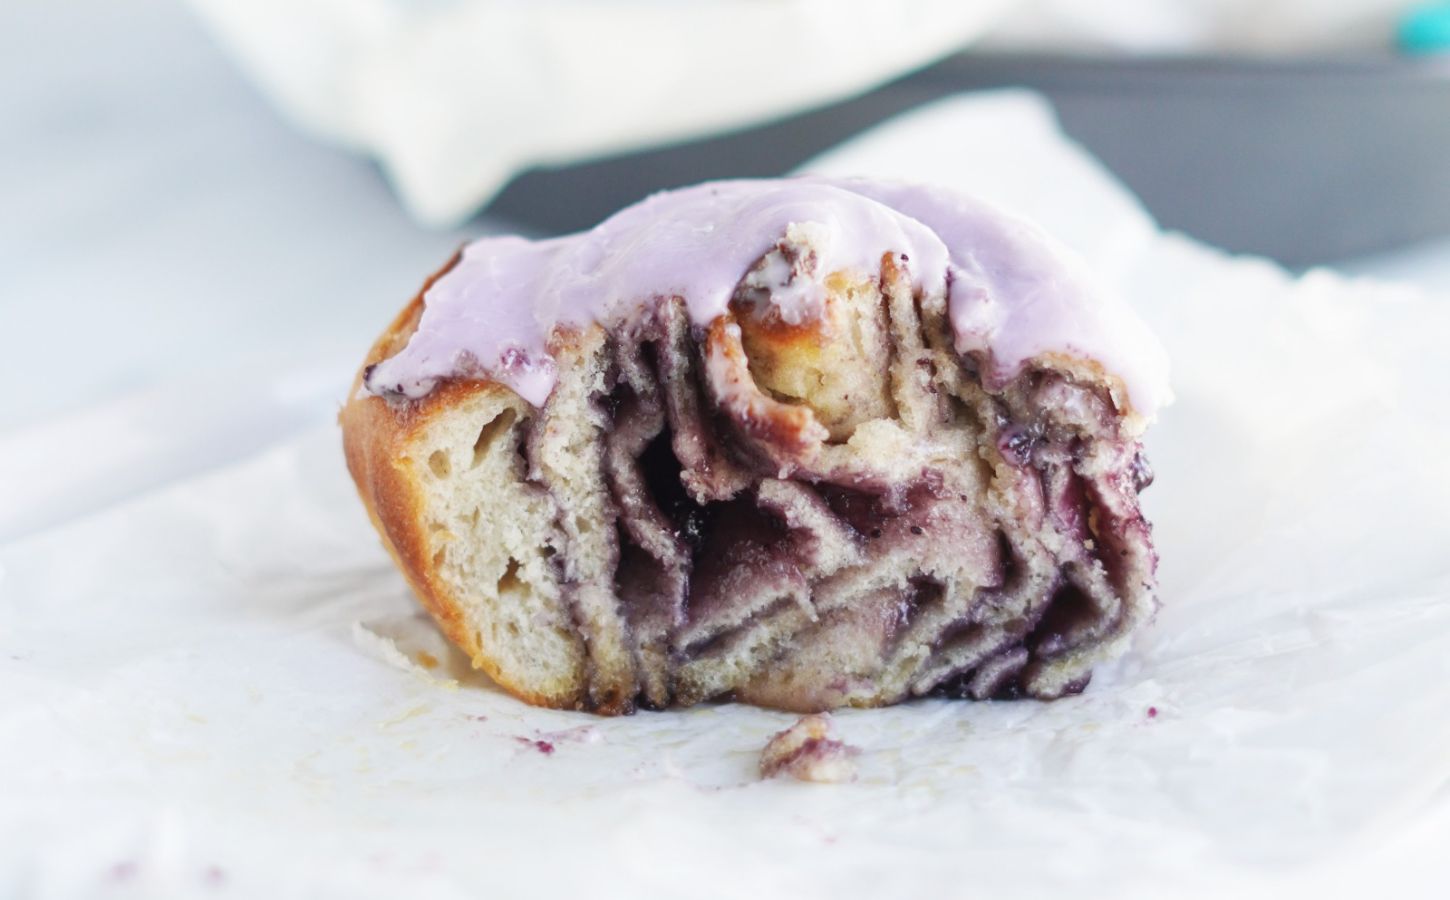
column 374, row 436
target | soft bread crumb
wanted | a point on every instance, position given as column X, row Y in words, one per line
column 386, row 649
column 807, row 752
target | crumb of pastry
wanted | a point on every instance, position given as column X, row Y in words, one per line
column 806, row 751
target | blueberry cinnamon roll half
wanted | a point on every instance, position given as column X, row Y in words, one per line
column 800, row 443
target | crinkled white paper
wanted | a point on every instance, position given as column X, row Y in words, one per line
column 223, row 687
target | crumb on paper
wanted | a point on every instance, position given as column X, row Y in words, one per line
column 807, row 752
column 386, row 648
column 411, row 712
column 383, row 648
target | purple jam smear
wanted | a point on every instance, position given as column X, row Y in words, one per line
column 544, row 747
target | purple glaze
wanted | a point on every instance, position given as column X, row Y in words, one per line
column 1014, row 294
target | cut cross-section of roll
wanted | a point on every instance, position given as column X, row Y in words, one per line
column 799, row 443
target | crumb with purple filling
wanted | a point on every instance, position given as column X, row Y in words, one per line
column 806, row 751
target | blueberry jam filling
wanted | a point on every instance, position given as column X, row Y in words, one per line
column 746, row 567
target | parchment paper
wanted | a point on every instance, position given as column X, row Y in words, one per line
column 222, row 687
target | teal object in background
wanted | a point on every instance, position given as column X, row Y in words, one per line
column 1426, row 29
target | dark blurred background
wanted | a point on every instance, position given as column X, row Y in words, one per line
column 1307, row 161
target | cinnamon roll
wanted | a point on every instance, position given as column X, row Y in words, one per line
column 800, row 443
